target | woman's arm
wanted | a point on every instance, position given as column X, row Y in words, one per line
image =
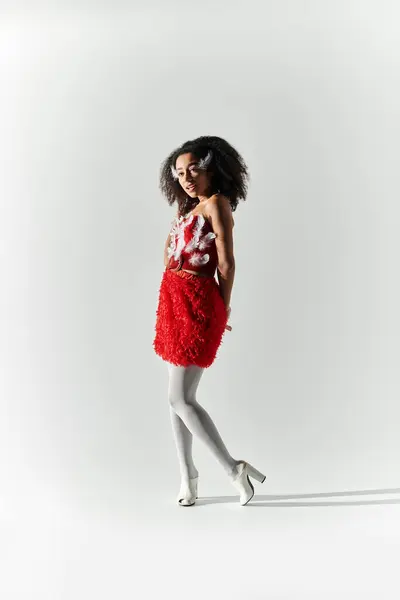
column 165, row 250
column 166, row 259
column 220, row 215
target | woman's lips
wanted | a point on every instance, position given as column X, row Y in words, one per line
column 190, row 188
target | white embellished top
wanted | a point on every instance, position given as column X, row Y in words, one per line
column 192, row 244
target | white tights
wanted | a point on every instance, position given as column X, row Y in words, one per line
column 189, row 418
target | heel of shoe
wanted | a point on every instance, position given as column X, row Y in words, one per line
column 252, row 471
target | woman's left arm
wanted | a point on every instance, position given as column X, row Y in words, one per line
column 220, row 215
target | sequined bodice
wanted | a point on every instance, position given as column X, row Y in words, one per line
column 192, row 245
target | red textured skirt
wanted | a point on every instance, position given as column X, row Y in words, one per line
column 191, row 319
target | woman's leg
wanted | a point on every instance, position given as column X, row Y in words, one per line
column 183, row 437
column 184, row 444
column 183, row 382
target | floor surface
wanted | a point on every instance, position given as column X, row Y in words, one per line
column 323, row 546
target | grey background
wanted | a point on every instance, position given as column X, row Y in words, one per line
column 306, row 385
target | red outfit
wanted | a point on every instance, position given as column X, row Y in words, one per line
column 191, row 313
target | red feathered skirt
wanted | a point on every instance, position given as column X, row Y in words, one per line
column 191, row 319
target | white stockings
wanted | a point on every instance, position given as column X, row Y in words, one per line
column 189, row 418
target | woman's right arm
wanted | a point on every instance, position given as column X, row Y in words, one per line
column 166, row 259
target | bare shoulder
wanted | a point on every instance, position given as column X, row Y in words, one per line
column 219, row 209
column 218, row 202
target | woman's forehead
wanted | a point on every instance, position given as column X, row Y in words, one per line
column 185, row 160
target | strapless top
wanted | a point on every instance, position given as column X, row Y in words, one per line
column 192, row 245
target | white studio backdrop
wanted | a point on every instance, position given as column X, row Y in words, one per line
column 307, row 383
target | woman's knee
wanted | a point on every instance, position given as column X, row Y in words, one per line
column 178, row 400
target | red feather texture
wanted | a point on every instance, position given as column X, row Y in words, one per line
column 191, row 319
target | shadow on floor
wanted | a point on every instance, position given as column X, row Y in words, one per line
column 276, row 500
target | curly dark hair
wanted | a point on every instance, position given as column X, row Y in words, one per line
column 230, row 173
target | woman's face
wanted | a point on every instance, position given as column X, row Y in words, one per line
column 194, row 181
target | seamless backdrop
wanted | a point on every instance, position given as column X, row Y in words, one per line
column 306, row 385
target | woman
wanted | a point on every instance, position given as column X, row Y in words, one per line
column 206, row 177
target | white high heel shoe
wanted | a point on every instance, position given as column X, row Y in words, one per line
column 242, row 482
column 188, row 492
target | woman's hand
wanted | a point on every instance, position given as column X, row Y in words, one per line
column 228, row 311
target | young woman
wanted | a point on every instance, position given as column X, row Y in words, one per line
column 206, row 177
